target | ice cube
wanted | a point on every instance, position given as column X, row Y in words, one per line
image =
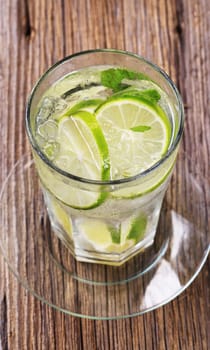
column 60, row 105
column 48, row 130
column 46, row 109
column 40, row 140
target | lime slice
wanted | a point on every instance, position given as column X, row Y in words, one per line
column 61, row 216
column 83, row 152
column 137, row 133
column 83, row 149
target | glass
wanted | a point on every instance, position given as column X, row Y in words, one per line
column 44, row 267
column 132, row 203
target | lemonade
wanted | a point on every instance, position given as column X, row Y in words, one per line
column 104, row 140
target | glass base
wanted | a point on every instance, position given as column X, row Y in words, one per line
column 44, row 266
column 112, row 232
column 91, row 256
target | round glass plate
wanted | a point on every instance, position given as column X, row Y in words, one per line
column 44, row 266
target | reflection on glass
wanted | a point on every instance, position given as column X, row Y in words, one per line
column 180, row 229
column 164, row 284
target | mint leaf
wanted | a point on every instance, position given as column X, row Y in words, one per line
column 112, row 78
column 141, row 128
column 151, row 95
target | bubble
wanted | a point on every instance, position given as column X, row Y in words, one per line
column 62, row 162
column 106, row 164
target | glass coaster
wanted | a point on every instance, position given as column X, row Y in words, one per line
column 44, row 266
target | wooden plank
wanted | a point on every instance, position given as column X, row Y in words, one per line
column 34, row 35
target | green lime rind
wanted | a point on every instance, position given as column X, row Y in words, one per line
column 99, row 200
column 115, row 235
column 152, row 96
column 87, row 105
column 138, row 228
column 84, row 105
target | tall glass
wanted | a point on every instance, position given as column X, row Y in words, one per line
column 118, row 218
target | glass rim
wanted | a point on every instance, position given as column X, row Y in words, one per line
column 105, row 182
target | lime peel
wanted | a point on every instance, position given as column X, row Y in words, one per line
column 138, row 228
column 87, row 105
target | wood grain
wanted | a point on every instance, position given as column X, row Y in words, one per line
column 35, row 34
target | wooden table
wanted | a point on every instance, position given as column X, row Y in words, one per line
column 33, row 35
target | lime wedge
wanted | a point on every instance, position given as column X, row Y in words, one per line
column 61, row 216
column 95, row 232
column 107, row 238
column 102, row 236
column 137, row 134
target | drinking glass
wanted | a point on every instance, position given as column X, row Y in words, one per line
column 123, row 218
